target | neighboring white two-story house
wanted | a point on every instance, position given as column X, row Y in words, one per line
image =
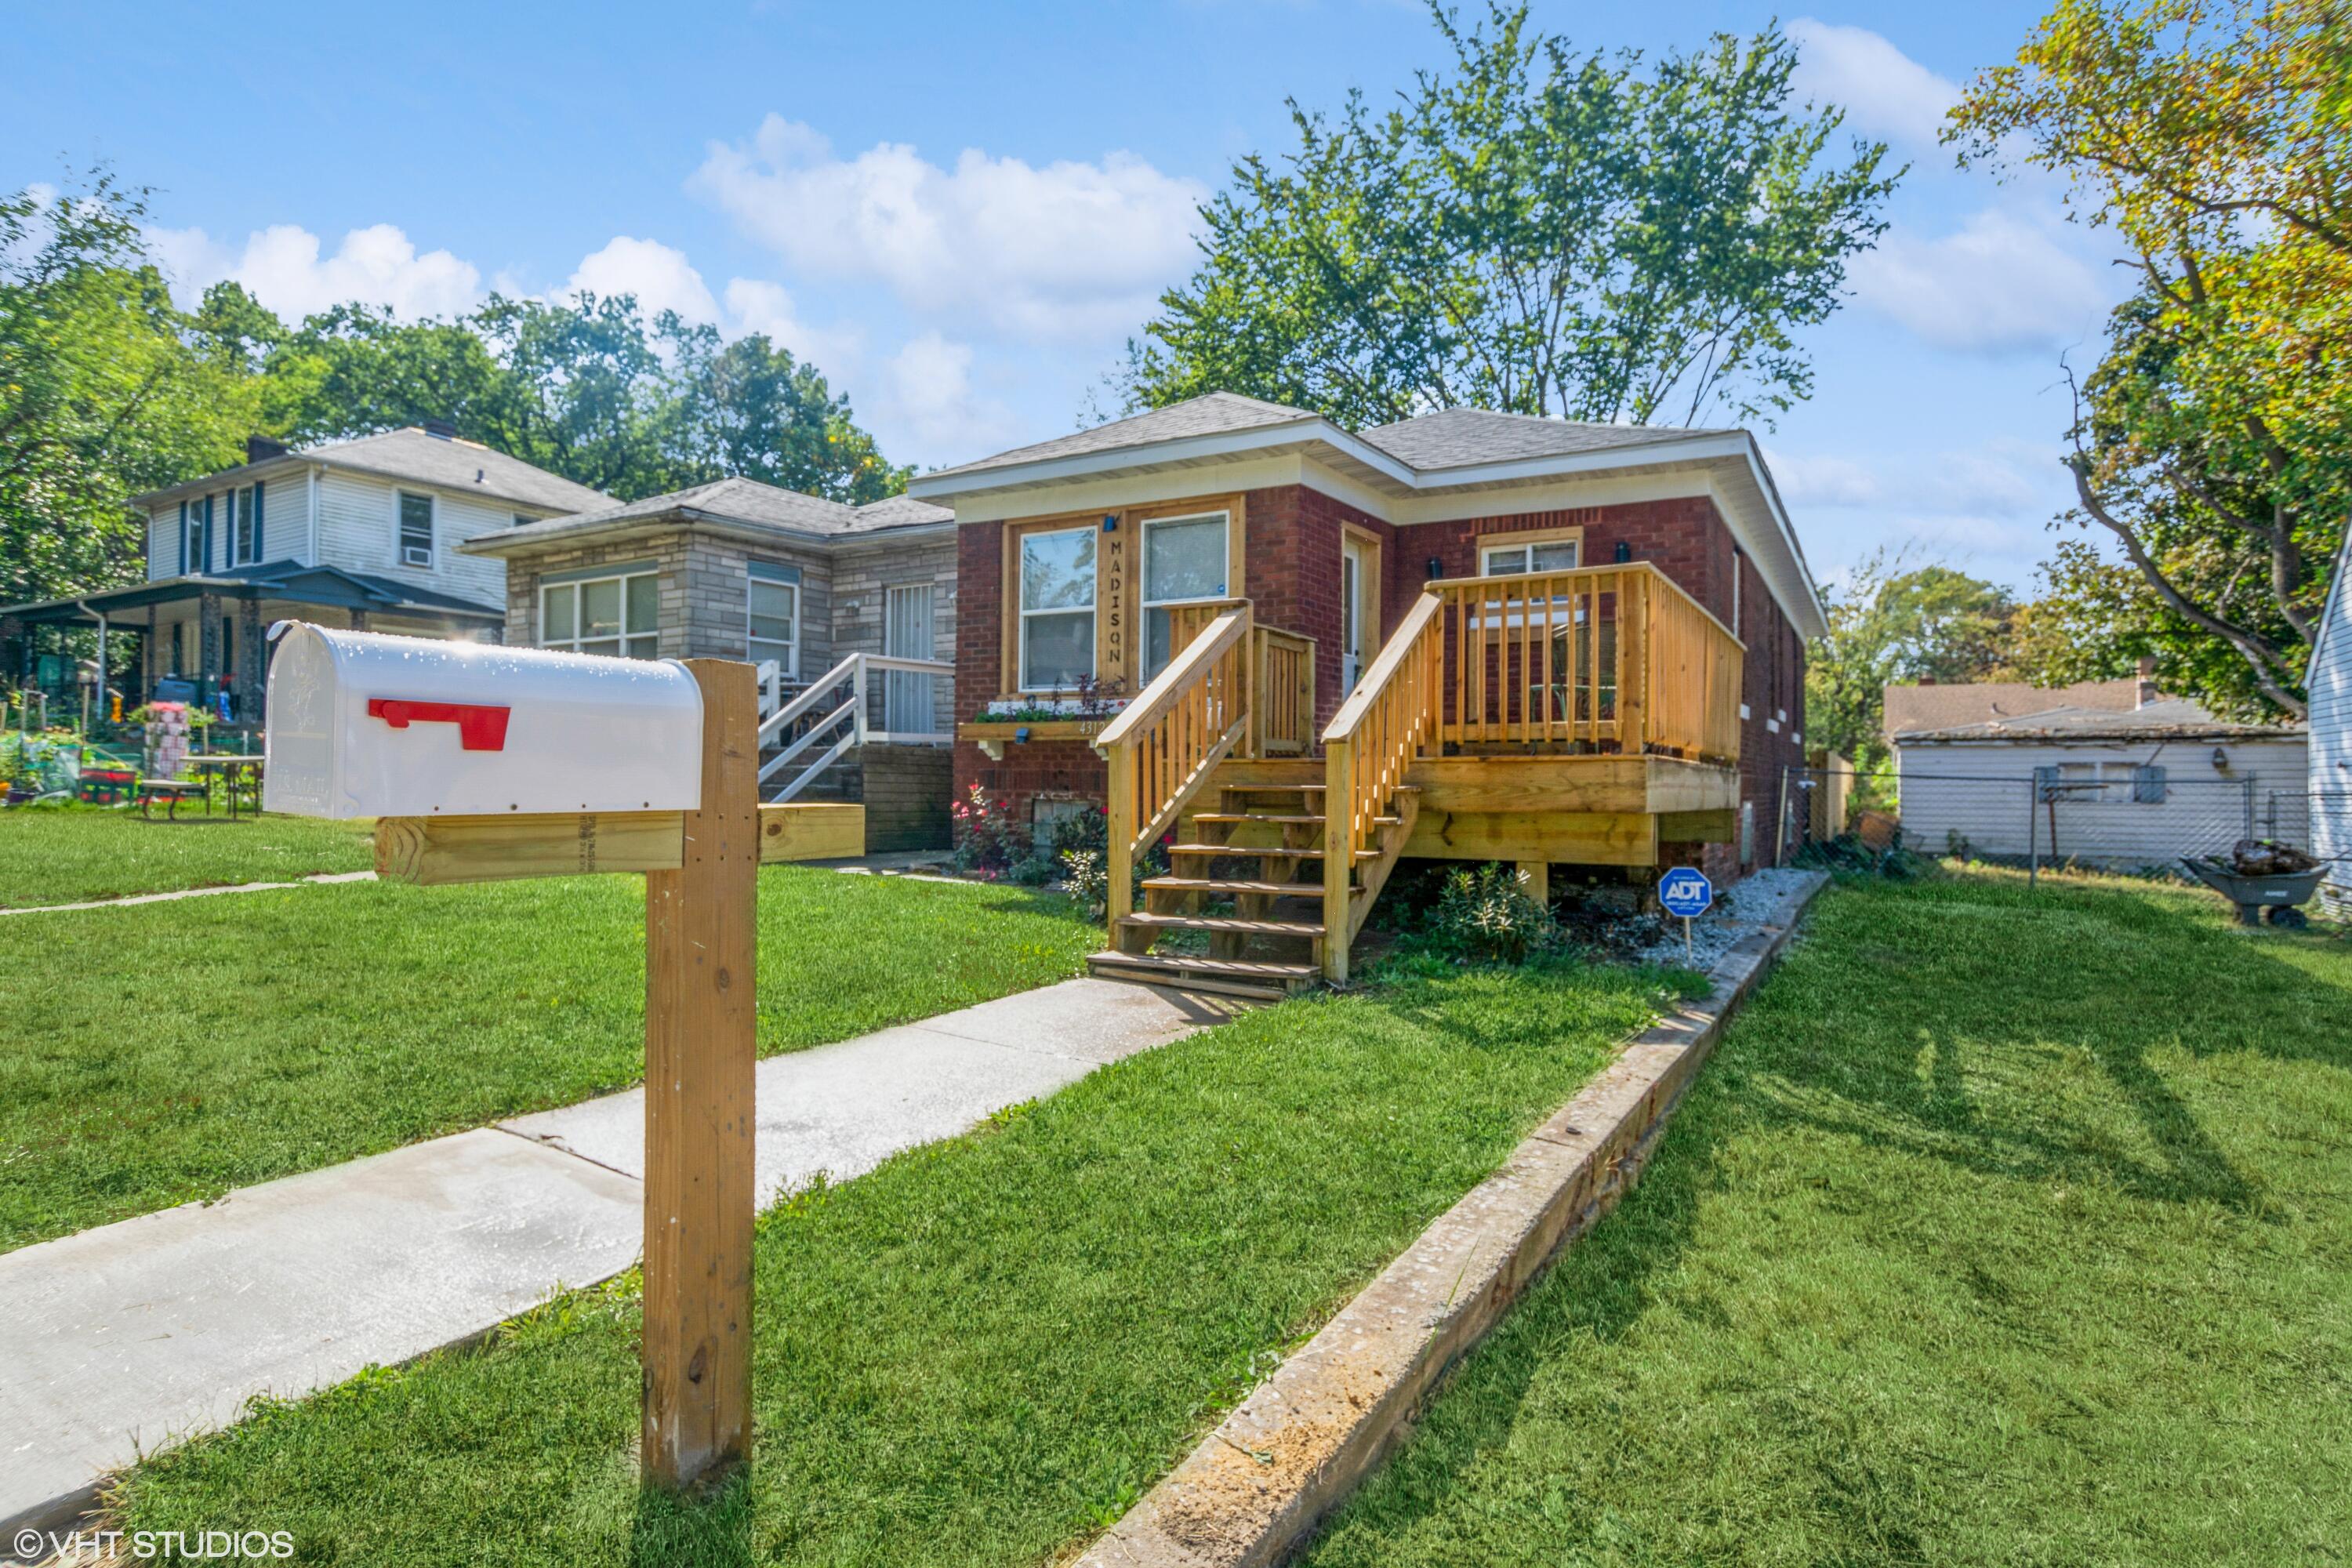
column 362, row 533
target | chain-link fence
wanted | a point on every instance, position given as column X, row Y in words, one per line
column 2116, row 817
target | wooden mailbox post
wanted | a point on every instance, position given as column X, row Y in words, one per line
column 701, row 869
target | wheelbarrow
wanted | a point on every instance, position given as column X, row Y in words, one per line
column 2278, row 893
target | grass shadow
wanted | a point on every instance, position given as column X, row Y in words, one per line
column 706, row 1528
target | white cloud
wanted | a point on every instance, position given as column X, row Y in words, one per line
column 2007, row 479
column 768, row 308
column 928, row 401
column 1886, row 93
column 658, row 275
column 1996, row 285
column 283, row 267
column 1826, row 480
column 1069, row 250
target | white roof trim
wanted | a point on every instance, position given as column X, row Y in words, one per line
column 1790, row 578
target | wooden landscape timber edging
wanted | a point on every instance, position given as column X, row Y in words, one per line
column 1256, row 1489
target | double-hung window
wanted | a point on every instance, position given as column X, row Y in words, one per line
column 415, row 529
column 774, row 630
column 246, row 537
column 1183, row 563
column 1543, row 556
column 1057, row 608
column 196, row 536
column 619, row 615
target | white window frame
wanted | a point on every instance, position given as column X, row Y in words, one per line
column 1487, row 551
column 578, row 587
column 757, row 649
column 1022, row 611
column 1224, row 520
column 400, row 530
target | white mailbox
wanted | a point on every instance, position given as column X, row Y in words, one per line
column 366, row 725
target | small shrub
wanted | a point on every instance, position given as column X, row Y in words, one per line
column 988, row 843
column 1033, row 872
column 1488, row 916
column 1087, row 874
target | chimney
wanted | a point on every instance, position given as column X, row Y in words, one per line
column 261, row 448
column 1927, row 681
column 441, row 429
column 2145, row 693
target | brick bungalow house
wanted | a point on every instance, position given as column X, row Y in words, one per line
column 1433, row 609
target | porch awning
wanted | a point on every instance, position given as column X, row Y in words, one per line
column 327, row 587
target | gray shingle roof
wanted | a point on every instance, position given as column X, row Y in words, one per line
column 410, row 454
column 1467, row 437
column 1213, row 414
column 2171, row 718
column 736, row 500
column 1951, row 704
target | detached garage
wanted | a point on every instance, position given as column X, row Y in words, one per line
column 2121, row 791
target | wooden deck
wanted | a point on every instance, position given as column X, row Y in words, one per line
column 1579, row 718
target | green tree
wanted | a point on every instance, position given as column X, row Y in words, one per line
column 587, row 388
column 2213, row 443
column 106, row 390
column 1888, row 624
column 1537, row 231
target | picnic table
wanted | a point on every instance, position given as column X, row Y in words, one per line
column 234, row 771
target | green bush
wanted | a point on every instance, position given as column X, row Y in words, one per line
column 1488, row 916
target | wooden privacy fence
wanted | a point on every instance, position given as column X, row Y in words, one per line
column 1164, row 745
column 1599, row 658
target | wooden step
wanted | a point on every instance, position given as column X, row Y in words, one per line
column 1254, row 979
column 1226, row 923
column 1221, row 885
column 1256, row 816
column 1276, row 788
column 1243, row 851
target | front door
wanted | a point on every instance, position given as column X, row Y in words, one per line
column 1354, row 579
column 906, row 695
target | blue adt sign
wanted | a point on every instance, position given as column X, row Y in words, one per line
column 1685, row 892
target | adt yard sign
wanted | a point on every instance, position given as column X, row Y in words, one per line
column 1685, row 892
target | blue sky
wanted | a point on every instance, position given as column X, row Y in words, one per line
column 961, row 211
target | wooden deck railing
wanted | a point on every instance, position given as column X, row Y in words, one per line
column 1284, row 692
column 1615, row 658
column 1164, row 745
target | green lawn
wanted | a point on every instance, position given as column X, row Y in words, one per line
column 979, row 1353
column 69, row 855
column 2004, row 1228
column 171, row 1051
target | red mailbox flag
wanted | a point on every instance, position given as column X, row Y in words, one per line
column 480, row 727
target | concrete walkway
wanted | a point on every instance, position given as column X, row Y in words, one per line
column 190, row 893
column 124, row 1338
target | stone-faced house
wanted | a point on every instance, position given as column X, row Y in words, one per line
column 1491, row 637
column 737, row 569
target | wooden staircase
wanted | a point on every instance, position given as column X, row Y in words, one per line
column 1244, row 908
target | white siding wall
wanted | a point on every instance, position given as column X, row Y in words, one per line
column 359, row 529
column 284, row 527
column 2330, row 687
column 1979, row 793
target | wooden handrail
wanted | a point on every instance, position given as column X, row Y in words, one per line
column 1165, row 746
column 1170, row 684
column 1393, row 713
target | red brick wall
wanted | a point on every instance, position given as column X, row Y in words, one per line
column 1292, row 577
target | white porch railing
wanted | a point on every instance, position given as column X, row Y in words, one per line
column 838, row 698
